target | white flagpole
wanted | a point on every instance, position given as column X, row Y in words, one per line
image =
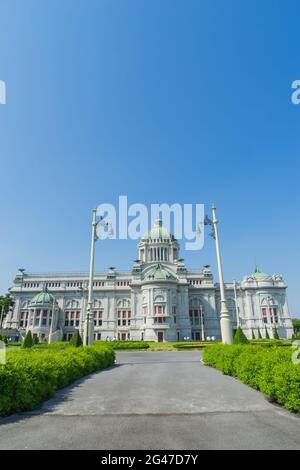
column 89, row 321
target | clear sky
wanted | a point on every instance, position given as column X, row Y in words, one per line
column 160, row 100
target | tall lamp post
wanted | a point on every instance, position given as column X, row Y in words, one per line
column 226, row 329
column 88, row 331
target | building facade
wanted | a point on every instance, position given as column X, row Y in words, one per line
column 159, row 300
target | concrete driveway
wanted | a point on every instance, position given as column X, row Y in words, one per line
column 154, row 400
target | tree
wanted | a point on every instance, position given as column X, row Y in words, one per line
column 267, row 334
column 28, row 340
column 76, row 340
column 35, row 339
column 259, row 334
column 6, row 302
column 275, row 334
column 296, row 326
column 253, row 335
column 239, row 337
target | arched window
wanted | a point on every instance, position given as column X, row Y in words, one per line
column 269, row 310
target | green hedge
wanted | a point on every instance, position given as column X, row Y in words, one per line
column 269, row 370
column 30, row 376
column 191, row 345
column 119, row 345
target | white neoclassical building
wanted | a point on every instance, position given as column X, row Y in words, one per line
column 159, row 300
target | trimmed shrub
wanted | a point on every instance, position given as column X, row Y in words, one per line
column 269, row 370
column 28, row 340
column 30, row 376
column 239, row 337
column 76, row 340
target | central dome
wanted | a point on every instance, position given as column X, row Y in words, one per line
column 158, row 231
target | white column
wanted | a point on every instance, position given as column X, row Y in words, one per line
column 236, row 306
column 202, row 324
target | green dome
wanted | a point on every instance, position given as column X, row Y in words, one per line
column 158, row 232
column 42, row 298
column 159, row 272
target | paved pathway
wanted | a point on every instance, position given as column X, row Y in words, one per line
column 154, row 400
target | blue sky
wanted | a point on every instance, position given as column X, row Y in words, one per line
column 164, row 101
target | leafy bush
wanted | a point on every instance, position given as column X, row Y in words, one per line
column 119, row 345
column 32, row 375
column 54, row 345
column 269, row 370
column 191, row 345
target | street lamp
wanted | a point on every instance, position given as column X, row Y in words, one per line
column 226, row 329
column 88, row 336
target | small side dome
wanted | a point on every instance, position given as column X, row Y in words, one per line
column 258, row 274
column 42, row 298
column 159, row 272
